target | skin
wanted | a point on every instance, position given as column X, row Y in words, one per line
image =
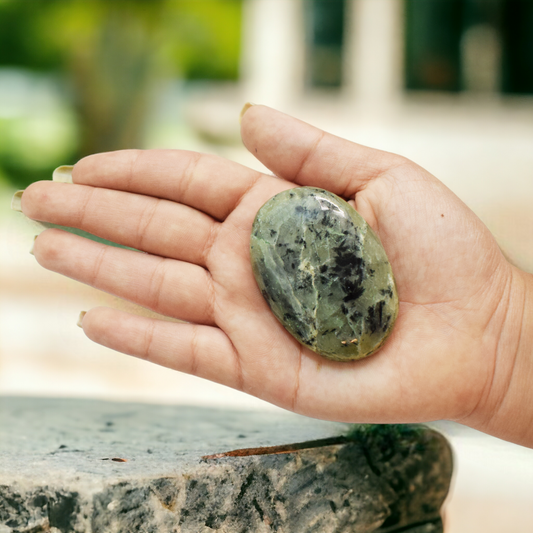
column 460, row 348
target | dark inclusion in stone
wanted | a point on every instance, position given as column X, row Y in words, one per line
column 324, row 273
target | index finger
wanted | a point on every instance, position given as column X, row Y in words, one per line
column 208, row 183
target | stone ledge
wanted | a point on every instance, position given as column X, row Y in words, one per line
column 101, row 467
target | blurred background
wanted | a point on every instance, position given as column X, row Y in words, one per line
column 447, row 83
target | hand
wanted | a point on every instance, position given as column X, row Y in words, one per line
column 452, row 351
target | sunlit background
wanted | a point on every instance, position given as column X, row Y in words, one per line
column 447, row 83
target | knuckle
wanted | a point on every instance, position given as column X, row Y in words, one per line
column 190, row 173
column 146, row 220
column 157, row 284
column 209, row 244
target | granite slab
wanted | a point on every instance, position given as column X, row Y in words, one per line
column 92, row 466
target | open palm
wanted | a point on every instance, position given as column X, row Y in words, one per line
column 192, row 214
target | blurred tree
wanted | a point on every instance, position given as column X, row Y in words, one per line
column 112, row 52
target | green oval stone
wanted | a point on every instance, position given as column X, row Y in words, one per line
column 324, row 273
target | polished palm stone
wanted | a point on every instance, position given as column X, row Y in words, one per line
column 324, row 273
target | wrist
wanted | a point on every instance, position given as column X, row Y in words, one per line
column 506, row 408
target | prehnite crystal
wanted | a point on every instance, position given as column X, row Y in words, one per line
column 324, row 273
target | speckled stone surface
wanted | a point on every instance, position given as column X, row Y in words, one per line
column 101, row 467
column 324, row 273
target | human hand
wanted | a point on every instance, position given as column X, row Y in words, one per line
column 452, row 351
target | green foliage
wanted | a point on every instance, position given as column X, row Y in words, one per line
column 209, row 44
column 200, row 37
column 23, row 35
column 108, row 53
column 32, row 146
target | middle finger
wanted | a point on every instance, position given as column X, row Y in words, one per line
column 149, row 224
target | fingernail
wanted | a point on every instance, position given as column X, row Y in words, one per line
column 80, row 319
column 16, row 201
column 63, row 174
column 247, row 106
column 33, row 244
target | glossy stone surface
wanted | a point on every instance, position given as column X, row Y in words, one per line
column 324, row 273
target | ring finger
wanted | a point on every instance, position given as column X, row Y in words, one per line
column 172, row 288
